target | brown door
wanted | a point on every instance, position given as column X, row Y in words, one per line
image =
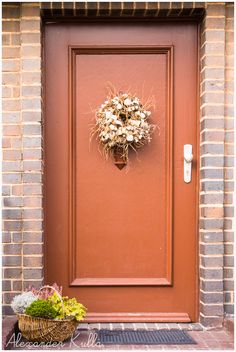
column 122, row 241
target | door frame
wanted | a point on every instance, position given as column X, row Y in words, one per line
column 146, row 317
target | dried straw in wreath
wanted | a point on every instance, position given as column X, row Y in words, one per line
column 122, row 123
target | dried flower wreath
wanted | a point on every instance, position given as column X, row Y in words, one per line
column 122, row 123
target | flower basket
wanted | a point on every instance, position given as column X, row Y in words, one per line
column 46, row 330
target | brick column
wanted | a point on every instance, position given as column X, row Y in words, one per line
column 214, row 166
column 12, row 155
column 32, row 142
column 22, row 149
column 229, row 161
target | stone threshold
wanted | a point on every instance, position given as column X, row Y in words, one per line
column 143, row 326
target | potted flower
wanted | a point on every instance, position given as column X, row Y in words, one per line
column 44, row 315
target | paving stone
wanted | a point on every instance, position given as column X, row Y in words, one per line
column 150, row 326
column 106, row 326
column 94, row 326
column 120, row 326
column 160, row 326
column 83, row 326
column 184, row 326
column 138, row 326
column 197, row 327
column 173, row 326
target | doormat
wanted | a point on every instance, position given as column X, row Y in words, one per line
column 140, row 337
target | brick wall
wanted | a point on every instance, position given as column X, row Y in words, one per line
column 216, row 163
column 23, row 141
column 228, row 161
column 22, row 149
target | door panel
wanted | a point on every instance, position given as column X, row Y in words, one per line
column 115, row 238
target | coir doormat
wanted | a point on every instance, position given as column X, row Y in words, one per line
column 140, row 337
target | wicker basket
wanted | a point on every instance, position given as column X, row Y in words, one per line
column 46, row 330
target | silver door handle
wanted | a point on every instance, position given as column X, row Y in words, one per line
column 188, row 157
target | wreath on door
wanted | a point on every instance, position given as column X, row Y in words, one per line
column 122, row 123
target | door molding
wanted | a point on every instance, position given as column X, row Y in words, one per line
column 137, row 317
column 73, row 51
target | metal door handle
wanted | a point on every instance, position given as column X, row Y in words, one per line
column 188, row 157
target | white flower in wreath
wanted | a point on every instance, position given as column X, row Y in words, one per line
column 127, row 102
column 130, row 138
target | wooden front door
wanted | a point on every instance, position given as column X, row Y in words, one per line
column 122, row 241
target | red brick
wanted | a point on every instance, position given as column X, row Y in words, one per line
column 211, row 322
column 30, row 177
column 31, row 237
column 212, row 212
column 10, row 26
column 30, row 38
column 31, row 274
column 32, row 249
column 30, row 51
column 211, row 273
column 12, row 155
column 11, row 65
column 15, row 39
column 11, row 178
column 32, row 225
column 6, row 237
column 30, row 91
column 211, row 285
column 29, row 283
column 32, row 154
column 214, row 297
column 8, row 260
column 212, row 262
column 10, row 105
column 31, row 64
column 17, row 190
column 6, row 285
column 32, row 142
column 212, row 309
column 32, row 202
column 214, row 23
column 30, row 25
column 12, row 226
column 14, row 273
column 30, row 11
column 31, row 104
column 10, row 52
column 14, row 249
column 32, row 165
column 6, row 39
column 29, row 77
column 211, row 237
column 11, row 117
column 10, row 12
column 32, row 214
column 17, row 285
column 31, row 116
column 212, row 249
column 6, row 143
column 33, row 261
